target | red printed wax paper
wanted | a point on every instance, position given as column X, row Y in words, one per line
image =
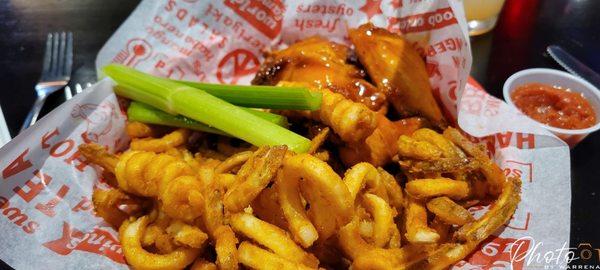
column 46, row 216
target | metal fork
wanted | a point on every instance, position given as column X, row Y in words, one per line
column 56, row 73
column 78, row 89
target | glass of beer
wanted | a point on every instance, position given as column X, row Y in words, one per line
column 482, row 15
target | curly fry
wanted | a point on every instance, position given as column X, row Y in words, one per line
column 417, row 231
column 213, row 219
column 272, row 237
column 171, row 140
column 426, row 188
column 164, row 243
column 182, row 198
column 130, row 235
column 140, row 130
column 383, row 215
column 449, row 212
column 350, row 240
column 134, row 171
column 266, row 207
column 225, row 180
column 234, row 161
column 257, row 258
column 106, row 205
column 442, row 228
column 395, row 238
column 142, row 173
column 202, row 264
column 377, row 201
column 364, row 175
column 365, row 228
column 492, row 172
column 394, row 191
column 155, row 234
column 394, row 258
column 446, row 147
column 479, row 230
column 412, row 148
column 293, row 210
column 98, row 155
column 186, row 156
column 352, row 121
column 186, row 235
column 496, row 216
column 212, row 212
column 253, row 177
column 318, row 141
column 376, row 147
column 441, row 165
column 329, row 198
column 225, row 247
column 323, row 155
column 158, row 217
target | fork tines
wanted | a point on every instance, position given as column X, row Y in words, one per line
column 56, row 72
column 78, row 89
column 58, row 57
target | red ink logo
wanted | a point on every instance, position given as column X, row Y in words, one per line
column 422, row 22
column 235, row 65
column 98, row 241
column 136, row 50
column 372, row 8
column 396, row 4
column 265, row 15
column 168, row 67
column 98, row 118
column 433, row 69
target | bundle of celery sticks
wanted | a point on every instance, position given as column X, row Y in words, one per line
column 215, row 108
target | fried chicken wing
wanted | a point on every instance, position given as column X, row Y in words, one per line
column 398, row 71
column 394, row 66
column 322, row 63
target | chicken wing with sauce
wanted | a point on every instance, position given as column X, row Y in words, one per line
column 323, row 63
column 398, row 71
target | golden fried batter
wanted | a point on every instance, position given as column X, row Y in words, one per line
column 398, row 71
column 324, row 64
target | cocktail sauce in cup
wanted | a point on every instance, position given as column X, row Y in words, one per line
column 564, row 82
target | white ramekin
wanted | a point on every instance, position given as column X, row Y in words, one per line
column 562, row 79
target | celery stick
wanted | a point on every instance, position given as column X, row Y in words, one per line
column 141, row 112
column 261, row 96
column 277, row 119
column 176, row 98
column 144, row 113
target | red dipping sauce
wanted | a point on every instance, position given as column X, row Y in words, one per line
column 554, row 106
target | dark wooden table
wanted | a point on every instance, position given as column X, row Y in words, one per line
column 525, row 28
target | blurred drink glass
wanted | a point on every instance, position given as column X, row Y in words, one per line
column 482, row 15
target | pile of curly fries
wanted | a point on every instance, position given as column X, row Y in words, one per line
column 382, row 187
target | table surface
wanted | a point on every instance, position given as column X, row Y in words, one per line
column 524, row 29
